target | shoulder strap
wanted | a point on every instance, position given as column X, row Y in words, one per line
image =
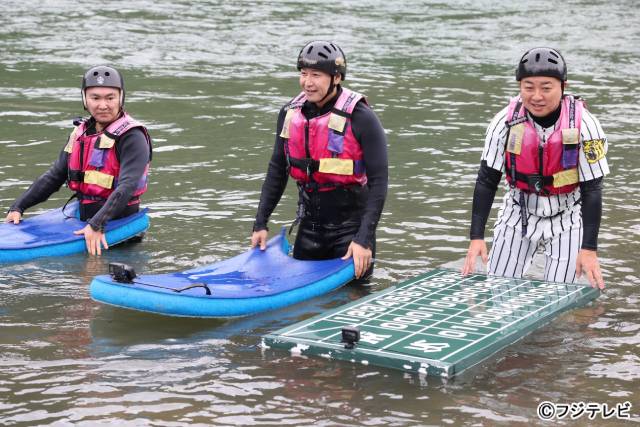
column 515, row 119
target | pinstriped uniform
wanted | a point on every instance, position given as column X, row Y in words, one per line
column 554, row 222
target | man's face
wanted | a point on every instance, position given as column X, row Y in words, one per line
column 315, row 84
column 103, row 103
column 541, row 95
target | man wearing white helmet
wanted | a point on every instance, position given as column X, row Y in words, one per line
column 552, row 150
column 105, row 160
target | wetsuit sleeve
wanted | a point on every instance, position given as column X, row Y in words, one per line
column 275, row 181
column 370, row 134
column 133, row 153
column 44, row 186
column 591, row 209
column 483, row 195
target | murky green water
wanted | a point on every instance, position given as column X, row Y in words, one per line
column 209, row 78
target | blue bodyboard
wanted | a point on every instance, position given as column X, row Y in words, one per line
column 51, row 234
column 251, row 282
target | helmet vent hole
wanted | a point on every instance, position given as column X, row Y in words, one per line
column 323, row 55
column 554, row 54
column 95, row 73
column 553, row 61
column 327, row 48
column 106, row 73
column 333, row 46
column 537, row 57
column 310, row 49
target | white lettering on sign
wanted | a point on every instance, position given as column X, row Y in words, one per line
column 391, row 325
column 464, row 294
column 419, row 314
column 452, row 334
column 452, row 299
column 427, row 347
column 553, row 286
column 406, row 319
column 343, row 319
column 487, row 316
column 417, row 289
column 371, row 338
column 359, row 313
column 465, row 328
column 409, row 293
column 511, row 305
column 434, row 284
column 375, row 308
column 501, row 312
column 385, row 303
column 442, row 304
column 443, row 280
column 476, row 322
column 393, row 298
column 427, row 308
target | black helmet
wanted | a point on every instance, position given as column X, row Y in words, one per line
column 102, row 76
column 323, row 56
column 542, row 61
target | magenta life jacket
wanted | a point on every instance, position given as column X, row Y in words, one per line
column 323, row 151
column 550, row 168
column 93, row 165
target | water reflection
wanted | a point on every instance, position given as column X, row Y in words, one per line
column 209, row 78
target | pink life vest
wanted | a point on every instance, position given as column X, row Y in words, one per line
column 93, row 164
column 323, row 150
column 549, row 168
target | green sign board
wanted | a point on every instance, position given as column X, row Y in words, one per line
column 440, row 323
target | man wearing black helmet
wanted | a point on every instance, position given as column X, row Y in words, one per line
column 553, row 152
column 333, row 145
column 105, row 160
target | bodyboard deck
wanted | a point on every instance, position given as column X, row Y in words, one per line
column 51, row 234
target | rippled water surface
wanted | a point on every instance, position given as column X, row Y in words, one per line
column 209, row 78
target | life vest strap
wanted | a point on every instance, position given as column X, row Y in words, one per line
column 536, row 182
column 75, row 175
column 329, row 165
column 308, row 165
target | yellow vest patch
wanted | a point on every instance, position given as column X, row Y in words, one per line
column 337, row 122
column 287, row 120
column 106, row 142
column 69, row 147
column 570, row 136
column 566, row 177
column 98, row 178
column 336, row 166
column 516, row 133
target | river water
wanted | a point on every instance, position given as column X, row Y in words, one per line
column 209, row 78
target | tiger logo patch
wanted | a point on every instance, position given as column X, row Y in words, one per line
column 593, row 150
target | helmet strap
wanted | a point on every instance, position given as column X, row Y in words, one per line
column 330, row 90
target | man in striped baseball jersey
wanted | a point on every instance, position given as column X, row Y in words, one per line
column 553, row 151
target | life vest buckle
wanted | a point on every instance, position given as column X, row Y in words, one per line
column 535, row 183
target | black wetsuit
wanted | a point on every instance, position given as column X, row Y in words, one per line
column 332, row 219
column 133, row 152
